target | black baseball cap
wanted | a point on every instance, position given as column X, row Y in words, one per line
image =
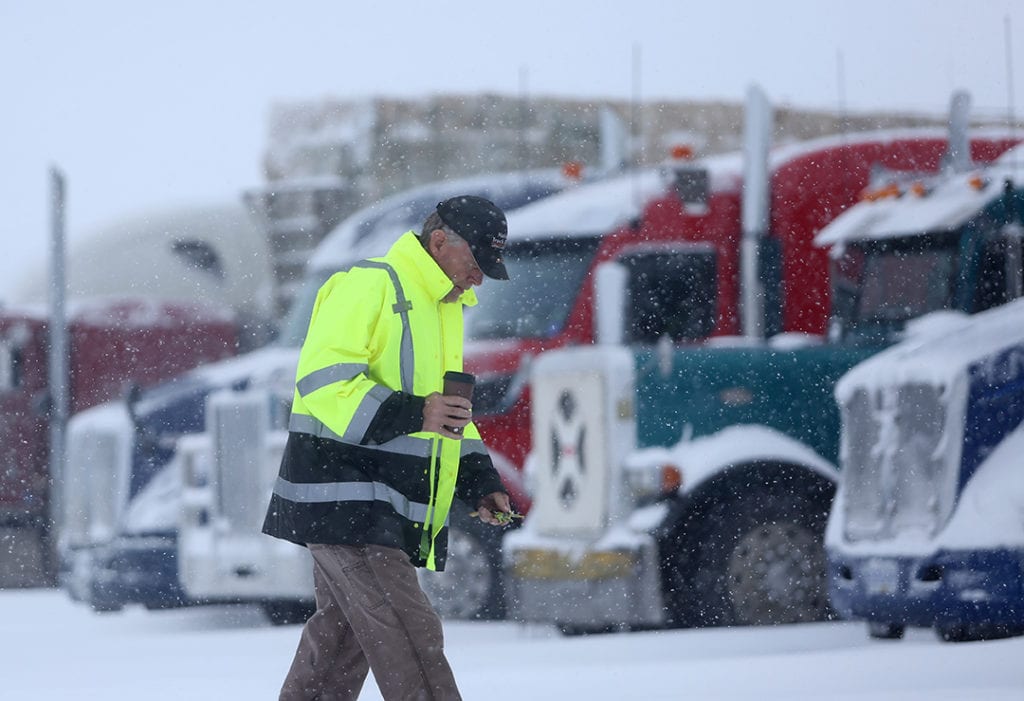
column 482, row 224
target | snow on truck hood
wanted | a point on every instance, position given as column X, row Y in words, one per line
column 596, row 208
column 940, row 356
column 269, row 365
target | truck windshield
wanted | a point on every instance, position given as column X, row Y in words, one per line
column 545, row 277
column 880, row 285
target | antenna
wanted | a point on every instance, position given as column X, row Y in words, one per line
column 958, row 152
column 841, row 90
column 844, row 120
column 635, row 126
column 1009, row 77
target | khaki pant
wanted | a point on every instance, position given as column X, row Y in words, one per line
column 371, row 614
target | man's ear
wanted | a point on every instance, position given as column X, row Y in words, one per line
column 437, row 239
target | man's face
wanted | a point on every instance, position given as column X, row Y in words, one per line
column 455, row 258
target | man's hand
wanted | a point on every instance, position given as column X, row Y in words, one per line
column 446, row 414
column 492, row 504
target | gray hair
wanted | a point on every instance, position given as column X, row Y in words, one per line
column 434, row 222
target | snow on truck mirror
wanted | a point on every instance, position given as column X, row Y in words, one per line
column 8, row 375
column 610, row 283
column 12, row 344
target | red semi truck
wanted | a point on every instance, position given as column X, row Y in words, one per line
column 151, row 295
column 111, row 345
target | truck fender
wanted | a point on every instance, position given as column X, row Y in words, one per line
column 711, row 535
column 707, row 457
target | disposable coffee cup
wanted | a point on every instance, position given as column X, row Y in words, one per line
column 458, row 384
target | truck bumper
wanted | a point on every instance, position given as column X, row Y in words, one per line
column 138, row 570
column 949, row 588
column 233, row 567
column 554, row 581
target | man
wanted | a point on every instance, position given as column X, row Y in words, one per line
column 376, row 453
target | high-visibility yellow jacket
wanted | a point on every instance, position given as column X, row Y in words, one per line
column 357, row 469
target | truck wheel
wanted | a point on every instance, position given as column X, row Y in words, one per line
column 885, row 631
column 970, row 633
column 471, row 586
column 573, row 629
column 286, row 612
column 752, row 552
column 105, row 607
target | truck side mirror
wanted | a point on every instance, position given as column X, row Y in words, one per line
column 691, row 186
column 200, row 255
column 1012, row 233
column 611, row 281
column 9, row 366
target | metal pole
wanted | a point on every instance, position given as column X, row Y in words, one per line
column 58, row 348
column 756, row 203
column 524, row 160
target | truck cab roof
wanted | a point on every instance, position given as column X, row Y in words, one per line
column 602, row 207
column 920, row 205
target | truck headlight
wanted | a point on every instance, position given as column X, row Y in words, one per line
column 647, row 481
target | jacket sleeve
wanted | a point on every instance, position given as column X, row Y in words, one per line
column 333, row 379
column 399, row 415
column 477, row 476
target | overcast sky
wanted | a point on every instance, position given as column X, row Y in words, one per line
column 144, row 103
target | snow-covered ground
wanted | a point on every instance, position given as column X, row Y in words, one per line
column 54, row 649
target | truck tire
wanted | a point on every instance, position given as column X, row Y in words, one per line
column 751, row 551
column 286, row 612
column 966, row 633
column 471, row 585
column 885, row 631
column 27, row 555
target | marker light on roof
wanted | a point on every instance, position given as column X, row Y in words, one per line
column 572, row 170
column 977, row 182
column 682, row 152
column 918, row 189
column 881, row 193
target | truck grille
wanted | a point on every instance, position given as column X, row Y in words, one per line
column 94, row 492
column 899, row 462
column 238, row 423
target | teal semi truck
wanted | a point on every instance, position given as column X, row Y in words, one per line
column 691, row 485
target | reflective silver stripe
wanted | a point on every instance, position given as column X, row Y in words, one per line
column 402, row 307
column 367, row 409
column 328, row 376
column 301, row 423
column 405, row 445
column 402, row 445
column 472, row 445
column 327, row 492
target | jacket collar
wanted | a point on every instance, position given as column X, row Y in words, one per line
column 410, row 255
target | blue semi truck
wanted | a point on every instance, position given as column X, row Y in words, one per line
column 927, row 528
